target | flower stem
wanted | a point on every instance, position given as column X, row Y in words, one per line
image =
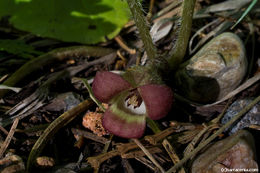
column 185, row 21
column 142, row 25
column 91, row 94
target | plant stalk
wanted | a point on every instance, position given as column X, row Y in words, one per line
column 185, row 22
column 142, row 25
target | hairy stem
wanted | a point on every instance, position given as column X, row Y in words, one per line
column 179, row 49
column 142, row 25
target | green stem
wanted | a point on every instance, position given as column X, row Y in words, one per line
column 153, row 125
column 142, row 25
column 91, row 94
column 212, row 137
column 179, row 49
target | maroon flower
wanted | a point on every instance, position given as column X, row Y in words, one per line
column 130, row 105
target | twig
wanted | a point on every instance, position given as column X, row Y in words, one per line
column 33, row 129
column 254, row 126
column 15, row 89
column 159, row 135
column 148, row 154
column 187, row 136
column 121, row 43
column 38, row 98
column 123, row 148
column 171, row 152
column 140, row 153
column 146, row 162
column 199, row 32
column 97, row 160
column 213, row 136
column 59, row 54
column 150, row 12
column 121, row 62
column 58, row 123
column 142, row 25
column 126, row 165
column 2, row 78
column 89, row 135
column 171, row 15
column 242, row 87
column 252, row 59
column 121, row 56
column 218, row 118
column 195, row 140
column 8, row 138
column 168, row 8
column 6, row 132
column 153, row 139
column 107, row 144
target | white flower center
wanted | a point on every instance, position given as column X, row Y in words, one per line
column 139, row 110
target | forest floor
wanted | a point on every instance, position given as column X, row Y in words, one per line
column 48, row 122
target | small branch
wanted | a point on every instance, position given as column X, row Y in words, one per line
column 89, row 135
column 213, row 136
column 55, row 55
column 147, row 163
column 97, row 160
column 140, row 153
column 179, row 49
column 8, row 138
column 6, row 132
column 148, row 154
column 218, row 118
column 153, row 139
column 142, row 25
column 171, row 152
column 123, row 148
column 195, row 140
column 122, row 44
column 107, row 144
column 150, row 13
column 58, row 123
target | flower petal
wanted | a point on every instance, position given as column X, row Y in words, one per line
column 157, row 99
column 107, row 84
column 122, row 127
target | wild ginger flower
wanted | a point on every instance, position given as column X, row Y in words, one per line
column 129, row 104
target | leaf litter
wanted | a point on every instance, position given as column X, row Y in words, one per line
column 105, row 153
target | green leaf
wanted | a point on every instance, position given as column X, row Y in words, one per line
column 84, row 21
column 18, row 47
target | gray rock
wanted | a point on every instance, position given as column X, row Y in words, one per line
column 252, row 117
column 64, row 102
